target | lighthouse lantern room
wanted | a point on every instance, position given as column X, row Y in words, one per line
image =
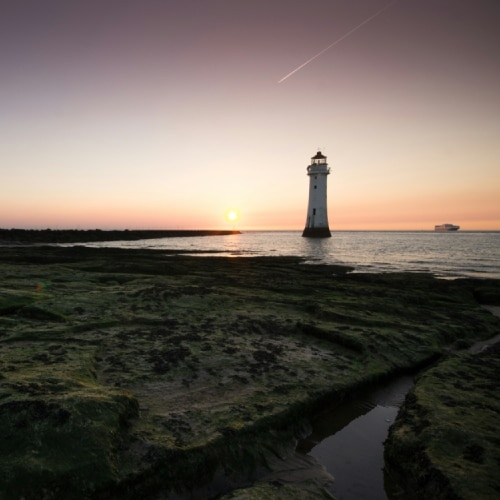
column 317, row 213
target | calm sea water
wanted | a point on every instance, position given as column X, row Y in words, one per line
column 447, row 255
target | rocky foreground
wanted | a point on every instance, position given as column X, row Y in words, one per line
column 445, row 443
column 130, row 373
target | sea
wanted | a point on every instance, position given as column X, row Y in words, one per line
column 451, row 255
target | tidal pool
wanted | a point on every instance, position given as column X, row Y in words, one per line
column 348, row 441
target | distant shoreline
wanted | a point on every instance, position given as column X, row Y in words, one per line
column 42, row 236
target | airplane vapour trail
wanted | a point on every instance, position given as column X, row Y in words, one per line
column 350, row 32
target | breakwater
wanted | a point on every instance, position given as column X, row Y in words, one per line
column 42, row 236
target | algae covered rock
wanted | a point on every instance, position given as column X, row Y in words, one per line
column 445, row 442
column 278, row 491
column 60, row 438
column 135, row 373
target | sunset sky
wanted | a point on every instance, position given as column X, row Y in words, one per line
column 168, row 113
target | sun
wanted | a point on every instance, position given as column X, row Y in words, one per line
column 232, row 215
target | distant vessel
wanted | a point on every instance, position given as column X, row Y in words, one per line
column 446, row 227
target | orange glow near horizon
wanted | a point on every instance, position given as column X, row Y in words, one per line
column 341, row 217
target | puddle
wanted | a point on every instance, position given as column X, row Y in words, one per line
column 348, row 442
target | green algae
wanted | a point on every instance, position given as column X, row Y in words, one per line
column 162, row 370
column 445, row 440
column 277, row 491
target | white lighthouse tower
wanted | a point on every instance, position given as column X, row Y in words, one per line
column 317, row 213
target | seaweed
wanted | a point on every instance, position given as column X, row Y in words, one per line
column 167, row 371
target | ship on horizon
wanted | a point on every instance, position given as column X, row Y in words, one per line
column 446, row 227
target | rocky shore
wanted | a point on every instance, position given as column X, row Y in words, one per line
column 445, row 443
column 132, row 373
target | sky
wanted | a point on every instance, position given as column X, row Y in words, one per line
column 165, row 114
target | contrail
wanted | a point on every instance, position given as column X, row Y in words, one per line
column 340, row 39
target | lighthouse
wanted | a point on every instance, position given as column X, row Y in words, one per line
column 317, row 213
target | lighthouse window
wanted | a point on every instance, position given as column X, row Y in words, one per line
column 315, row 186
column 314, row 211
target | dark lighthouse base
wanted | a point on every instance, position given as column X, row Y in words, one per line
column 316, row 232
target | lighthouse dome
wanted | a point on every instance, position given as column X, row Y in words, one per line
column 318, row 156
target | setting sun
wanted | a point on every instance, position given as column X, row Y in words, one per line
column 232, row 215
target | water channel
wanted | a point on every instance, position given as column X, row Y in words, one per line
column 348, row 441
